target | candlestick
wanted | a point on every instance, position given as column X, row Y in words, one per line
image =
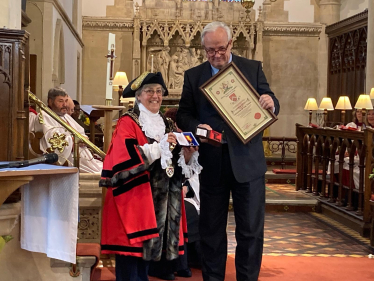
column 152, row 64
column 110, row 62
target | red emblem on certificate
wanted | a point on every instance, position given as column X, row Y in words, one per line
column 233, row 97
column 238, row 103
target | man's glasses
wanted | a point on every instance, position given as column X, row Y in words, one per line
column 220, row 51
column 150, row 92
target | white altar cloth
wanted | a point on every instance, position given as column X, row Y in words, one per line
column 49, row 214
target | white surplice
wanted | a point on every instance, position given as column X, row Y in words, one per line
column 87, row 163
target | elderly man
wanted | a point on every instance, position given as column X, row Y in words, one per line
column 58, row 101
column 234, row 167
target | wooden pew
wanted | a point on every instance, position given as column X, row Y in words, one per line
column 334, row 166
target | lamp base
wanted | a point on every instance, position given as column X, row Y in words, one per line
column 108, row 101
column 343, row 116
column 324, row 118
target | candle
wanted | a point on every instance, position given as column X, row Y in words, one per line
column 152, row 64
column 111, row 45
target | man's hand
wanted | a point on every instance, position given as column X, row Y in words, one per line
column 205, row 126
column 267, row 102
column 188, row 151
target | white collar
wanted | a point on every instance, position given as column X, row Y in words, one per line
column 152, row 123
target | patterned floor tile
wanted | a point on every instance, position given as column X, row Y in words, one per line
column 284, row 191
column 302, row 234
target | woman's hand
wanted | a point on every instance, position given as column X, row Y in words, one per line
column 188, row 151
column 172, row 140
column 185, row 191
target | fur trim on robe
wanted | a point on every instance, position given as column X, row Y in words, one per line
column 143, row 207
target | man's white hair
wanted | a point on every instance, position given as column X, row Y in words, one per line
column 211, row 27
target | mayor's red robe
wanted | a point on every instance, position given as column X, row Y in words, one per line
column 136, row 192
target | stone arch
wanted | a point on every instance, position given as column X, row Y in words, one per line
column 58, row 72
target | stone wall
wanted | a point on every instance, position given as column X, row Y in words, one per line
column 95, row 63
column 291, row 67
column 57, row 44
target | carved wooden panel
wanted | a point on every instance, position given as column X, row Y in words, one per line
column 347, row 61
column 13, row 64
column 89, row 225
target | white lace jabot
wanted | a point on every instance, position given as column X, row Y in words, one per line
column 152, row 123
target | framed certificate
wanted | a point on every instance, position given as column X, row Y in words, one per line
column 237, row 102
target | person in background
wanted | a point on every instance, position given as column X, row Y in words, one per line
column 58, row 102
column 233, row 167
column 370, row 118
column 70, row 106
column 143, row 214
column 77, row 110
column 76, row 114
column 32, row 119
column 358, row 121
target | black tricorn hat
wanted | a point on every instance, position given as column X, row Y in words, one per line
column 145, row 78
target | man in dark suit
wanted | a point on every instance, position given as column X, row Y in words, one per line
column 236, row 167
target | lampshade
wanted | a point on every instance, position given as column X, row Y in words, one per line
column 372, row 93
column 326, row 103
column 364, row 102
column 120, row 79
column 343, row 103
column 311, row 104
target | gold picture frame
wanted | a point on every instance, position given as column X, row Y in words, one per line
column 237, row 102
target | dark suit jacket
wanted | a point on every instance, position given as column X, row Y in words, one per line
column 247, row 160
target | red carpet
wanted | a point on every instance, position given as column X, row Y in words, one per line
column 303, row 269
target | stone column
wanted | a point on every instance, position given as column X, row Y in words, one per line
column 10, row 14
column 370, row 49
column 136, row 48
column 266, row 8
column 329, row 11
column 329, row 14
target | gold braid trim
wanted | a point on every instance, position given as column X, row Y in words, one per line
column 139, row 81
column 134, row 116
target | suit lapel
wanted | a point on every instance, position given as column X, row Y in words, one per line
column 205, row 74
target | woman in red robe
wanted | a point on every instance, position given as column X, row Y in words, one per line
column 143, row 214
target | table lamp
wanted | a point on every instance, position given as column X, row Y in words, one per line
column 372, row 93
column 311, row 104
column 343, row 104
column 326, row 104
column 364, row 103
column 120, row 80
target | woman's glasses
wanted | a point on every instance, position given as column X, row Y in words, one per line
column 151, row 92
